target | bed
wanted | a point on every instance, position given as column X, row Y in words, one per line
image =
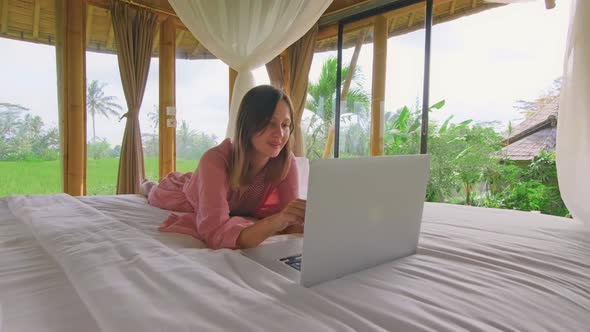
column 99, row 264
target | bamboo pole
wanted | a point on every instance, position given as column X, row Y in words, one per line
column 36, row 19
column 378, row 86
column 167, row 131
column 70, row 49
column 4, row 17
column 346, row 86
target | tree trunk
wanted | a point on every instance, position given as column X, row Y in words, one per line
column 93, row 128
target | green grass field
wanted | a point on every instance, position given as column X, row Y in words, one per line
column 44, row 177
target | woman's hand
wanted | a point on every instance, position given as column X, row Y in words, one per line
column 293, row 229
column 293, row 215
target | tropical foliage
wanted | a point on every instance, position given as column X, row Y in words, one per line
column 97, row 103
column 320, row 102
column 24, row 137
column 468, row 168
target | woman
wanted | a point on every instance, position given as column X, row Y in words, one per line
column 243, row 191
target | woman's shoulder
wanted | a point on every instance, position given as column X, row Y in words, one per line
column 218, row 155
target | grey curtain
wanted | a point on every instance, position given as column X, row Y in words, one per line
column 134, row 34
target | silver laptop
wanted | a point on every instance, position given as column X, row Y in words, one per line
column 361, row 212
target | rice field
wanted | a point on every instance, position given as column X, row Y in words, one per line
column 44, row 177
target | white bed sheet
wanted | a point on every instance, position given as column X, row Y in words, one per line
column 476, row 269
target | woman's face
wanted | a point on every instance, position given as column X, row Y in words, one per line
column 270, row 141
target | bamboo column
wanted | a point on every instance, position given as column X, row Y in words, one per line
column 70, row 47
column 167, row 130
column 345, row 87
column 378, row 86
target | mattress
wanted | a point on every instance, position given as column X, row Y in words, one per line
column 99, row 263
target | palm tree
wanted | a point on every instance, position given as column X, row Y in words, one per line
column 154, row 118
column 98, row 103
column 151, row 140
column 9, row 118
column 184, row 137
column 321, row 96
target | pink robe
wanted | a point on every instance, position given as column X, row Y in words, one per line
column 215, row 213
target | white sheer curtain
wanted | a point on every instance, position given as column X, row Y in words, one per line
column 247, row 33
column 573, row 125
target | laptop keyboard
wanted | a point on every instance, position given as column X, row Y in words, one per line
column 293, row 261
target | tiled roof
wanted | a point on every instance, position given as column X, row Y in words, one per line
column 530, row 146
column 525, row 146
column 538, row 117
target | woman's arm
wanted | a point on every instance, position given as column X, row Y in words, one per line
column 288, row 191
column 207, row 192
column 291, row 216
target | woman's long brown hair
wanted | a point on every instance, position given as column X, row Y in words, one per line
column 254, row 114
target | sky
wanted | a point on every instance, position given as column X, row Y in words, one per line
column 480, row 65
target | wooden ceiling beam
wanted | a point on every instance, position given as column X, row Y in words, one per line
column 179, row 37
column 36, row 19
column 393, row 23
column 195, row 50
column 156, row 42
column 411, row 19
column 89, row 16
column 162, row 14
column 4, row 18
column 331, row 31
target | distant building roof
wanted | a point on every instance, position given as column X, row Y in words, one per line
column 535, row 134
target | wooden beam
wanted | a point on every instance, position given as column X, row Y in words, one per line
column 352, row 67
column 331, row 31
column 179, row 37
column 89, row 15
column 473, row 3
column 156, row 43
column 162, row 14
column 378, row 86
column 4, row 18
column 195, row 50
column 345, row 87
column 70, row 49
column 452, row 10
column 393, row 23
column 411, row 19
column 107, row 4
column 167, row 97
column 36, row 19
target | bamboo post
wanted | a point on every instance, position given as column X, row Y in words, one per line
column 378, row 86
column 346, row 86
column 70, row 49
column 167, row 122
